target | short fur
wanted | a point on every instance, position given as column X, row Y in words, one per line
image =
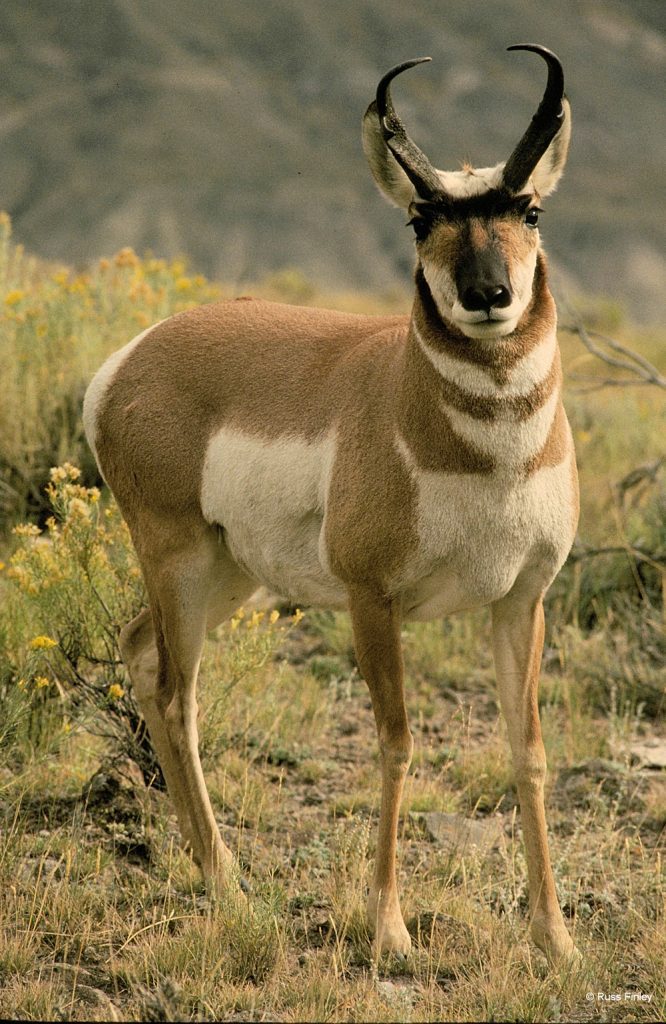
column 400, row 467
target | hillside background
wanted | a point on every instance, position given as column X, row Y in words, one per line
column 229, row 130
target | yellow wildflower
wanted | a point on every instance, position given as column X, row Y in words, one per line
column 274, row 616
column 78, row 509
column 254, row 621
column 14, row 297
column 126, row 258
column 79, row 285
column 2, row 565
column 67, row 471
column 21, row 684
column 115, row 691
column 43, row 643
column 26, row 530
column 183, row 284
column 297, row 616
column 41, row 682
column 234, row 622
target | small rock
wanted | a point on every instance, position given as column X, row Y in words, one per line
column 459, row 834
column 595, row 783
column 45, row 868
column 650, row 753
column 101, row 788
column 400, row 997
column 597, row 769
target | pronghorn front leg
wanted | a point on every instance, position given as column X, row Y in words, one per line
column 376, row 624
column 518, row 631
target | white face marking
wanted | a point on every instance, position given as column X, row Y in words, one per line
column 529, row 371
column 98, row 386
column 478, row 533
column 270, row 497
column 473, row 181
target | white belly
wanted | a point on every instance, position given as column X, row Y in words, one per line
column 269, row 496
column 477, row 534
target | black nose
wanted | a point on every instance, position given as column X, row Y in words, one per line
column 486, row 297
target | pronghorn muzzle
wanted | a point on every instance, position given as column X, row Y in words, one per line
column 483, row 282
column 542, row 129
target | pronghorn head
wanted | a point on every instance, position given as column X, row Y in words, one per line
column 476, row 228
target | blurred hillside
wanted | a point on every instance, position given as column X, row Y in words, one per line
column 229, row 130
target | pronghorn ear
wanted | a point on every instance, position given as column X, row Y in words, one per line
column 386, row 170
column 548, row 171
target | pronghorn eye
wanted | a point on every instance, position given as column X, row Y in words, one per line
column 421, row 227
column 532, row 217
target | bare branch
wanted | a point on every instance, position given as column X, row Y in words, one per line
column 644, row 372
column 641, row 474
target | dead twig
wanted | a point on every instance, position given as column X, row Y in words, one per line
column 625, row 358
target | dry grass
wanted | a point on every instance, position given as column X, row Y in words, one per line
column 104, row 918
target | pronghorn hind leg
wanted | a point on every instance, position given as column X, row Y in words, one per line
column 518, row 632
column 192, row 586
column 139, row 652
column 376, row 623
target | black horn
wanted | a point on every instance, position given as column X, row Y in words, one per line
column 542, row 128
column 414, row 163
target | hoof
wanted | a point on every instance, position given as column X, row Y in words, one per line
column 395, row 944
column 385, row 923
column 391, row 936
column 556, row 943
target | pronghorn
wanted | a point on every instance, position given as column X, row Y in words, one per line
column 400, row 467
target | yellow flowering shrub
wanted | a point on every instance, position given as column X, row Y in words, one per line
column 69, row 589
column 56, row 328
column 248, row 641
column 71, row 586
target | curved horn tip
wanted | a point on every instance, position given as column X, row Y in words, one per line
column 399, row 68
column 552, row 60
column 383, row 91
column 555, row 86
column 410, row 64
column 535, row 48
